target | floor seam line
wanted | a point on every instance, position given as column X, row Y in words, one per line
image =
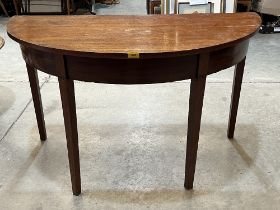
column 220, row 82
column 21, row 113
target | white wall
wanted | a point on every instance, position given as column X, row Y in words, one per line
column 230, row 6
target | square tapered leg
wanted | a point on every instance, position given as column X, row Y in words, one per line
column 70, row 121
column 37, row 101
column 238, row 76
column 195, row 110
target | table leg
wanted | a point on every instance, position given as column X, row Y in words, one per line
column 68, row 7
column 238, row 75
column 63, row 4
column 70, row 120
column 93, row 11
column 16, row 6
column 4, row 8
column 195, row 110
column 37, row 101
column 25, row 6
column 28, row 6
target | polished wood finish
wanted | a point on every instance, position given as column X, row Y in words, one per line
column 67, row 93
column 136, row 50
column 151, row 36
column 37, row 101
column 236, row 88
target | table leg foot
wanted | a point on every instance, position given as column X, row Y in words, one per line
column 70, row 120
column 37, row 101
column 236, row 88
column 195, row 110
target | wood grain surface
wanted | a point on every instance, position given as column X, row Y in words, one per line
column 141, row 34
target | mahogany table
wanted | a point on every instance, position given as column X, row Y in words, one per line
column 133, row 50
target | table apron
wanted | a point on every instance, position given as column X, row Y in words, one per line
column 131, row 71
column 227, row 57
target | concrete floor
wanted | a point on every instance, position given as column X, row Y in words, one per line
column 133, row 138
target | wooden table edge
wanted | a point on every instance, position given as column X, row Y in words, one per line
column 125, row 55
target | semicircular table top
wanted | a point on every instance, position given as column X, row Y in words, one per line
column 2, row 42
column 147, row 34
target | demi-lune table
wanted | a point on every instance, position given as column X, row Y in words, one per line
column 133, row 50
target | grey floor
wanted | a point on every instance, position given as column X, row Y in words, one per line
column 133, row 139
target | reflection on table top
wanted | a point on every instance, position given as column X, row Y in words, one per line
column 141, row 34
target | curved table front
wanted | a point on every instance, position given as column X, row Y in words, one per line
column 133, row 50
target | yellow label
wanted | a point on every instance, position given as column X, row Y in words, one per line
column 133, row 55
